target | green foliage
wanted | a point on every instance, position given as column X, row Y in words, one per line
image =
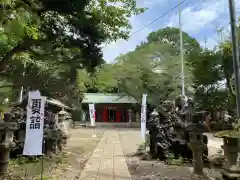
column 170, row 35
column 154, row 68
column 113, row 16
column 105, row 78
column 213, row 75
column 60, row 41
column 141, row 149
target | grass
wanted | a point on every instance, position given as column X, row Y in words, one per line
column 31, row 168
column 75, row 156
column 228, row 133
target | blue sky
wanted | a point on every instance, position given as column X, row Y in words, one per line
column 199, row 19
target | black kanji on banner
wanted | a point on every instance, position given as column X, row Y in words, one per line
column 35, row 118
column 36, row 106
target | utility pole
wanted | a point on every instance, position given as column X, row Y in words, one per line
column 21, row 91
column 220, row 34
column 235, row 53
column 181, row 50
column 205, row 42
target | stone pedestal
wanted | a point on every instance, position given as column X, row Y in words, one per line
column 129, row 117
column 62, row 141
column 51, row 141
column 20, row 134
column 63, row 130
column 197, row 146
column 231, row 167
column 6, row 143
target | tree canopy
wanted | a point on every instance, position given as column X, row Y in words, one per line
column 154, row 67
column 58, row 39
column 213, row 77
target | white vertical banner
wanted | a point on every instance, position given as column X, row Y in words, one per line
column 143, row 117
column 33, row 144
column 92, row 114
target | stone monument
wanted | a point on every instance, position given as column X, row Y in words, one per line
column 196, row 130
column 7, row 129
column 63, row 129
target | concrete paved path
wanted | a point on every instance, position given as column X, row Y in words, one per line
column 107, row 161
column 214, row 144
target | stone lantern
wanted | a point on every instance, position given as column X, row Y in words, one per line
column 196, row 129
column 6, row 143
column 196, row 144
column 130, row 116
column 231, row 147
column 231, row 167
column 51, row 136
column 63, row 129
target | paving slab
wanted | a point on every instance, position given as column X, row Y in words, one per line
column 107, row 161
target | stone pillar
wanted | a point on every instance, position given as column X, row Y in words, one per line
column 52, row 141
column 52, row 136
column 130, row 116
column 197, row 150
column 196, row 145
column 84, row 116
column 20, row 133
column 231, row 169
column 196, row 130
column 63, row 130
column 6, row 143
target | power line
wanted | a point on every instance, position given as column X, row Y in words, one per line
column 159, row 17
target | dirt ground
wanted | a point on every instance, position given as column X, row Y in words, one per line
column 65, row 166
column 150, row 170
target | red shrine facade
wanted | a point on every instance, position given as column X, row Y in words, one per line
column 111, row 108
column 114, row 113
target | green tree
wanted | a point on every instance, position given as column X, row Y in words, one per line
column 145, row 71
column 58, row 39
column 209, row 92
column 213, row 75
column 170, row 35
column 153, row 67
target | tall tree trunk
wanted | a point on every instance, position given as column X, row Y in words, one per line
column 230, row 86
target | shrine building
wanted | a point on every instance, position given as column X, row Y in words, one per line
column 112, row 108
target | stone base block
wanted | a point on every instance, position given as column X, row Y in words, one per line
column 230, row 175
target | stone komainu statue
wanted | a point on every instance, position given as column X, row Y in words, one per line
column 167, row 129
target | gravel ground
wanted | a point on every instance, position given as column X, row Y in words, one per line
column 150, row 170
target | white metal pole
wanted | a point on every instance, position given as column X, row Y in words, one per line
column 181, row 50
column 21, row 91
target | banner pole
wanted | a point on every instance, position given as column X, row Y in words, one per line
column 94, row 132
column 42, row 161
column 144, row 119
column 42, row 168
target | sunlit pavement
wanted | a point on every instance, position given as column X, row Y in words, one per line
column 214, row 143
column 107, row 161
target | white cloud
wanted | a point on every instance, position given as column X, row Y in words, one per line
column 209, row 15
column 198, row 16
column 149, row 3
column 196, row 20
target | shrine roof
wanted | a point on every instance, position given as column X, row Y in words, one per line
column 108, row 98
column 57, row 103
